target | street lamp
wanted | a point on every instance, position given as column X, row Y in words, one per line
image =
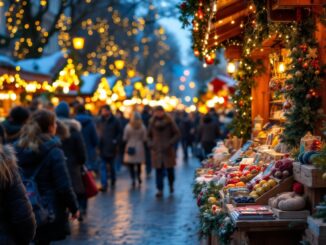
column 119, row 64
column 78, row 43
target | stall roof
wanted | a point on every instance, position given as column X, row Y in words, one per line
column 90, row 83
column 47, row 65
column 111, row 81
column 129, row 89
column 6, row 61
column 227, row 20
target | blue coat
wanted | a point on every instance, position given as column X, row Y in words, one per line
column 53, row 182
column 90, row 136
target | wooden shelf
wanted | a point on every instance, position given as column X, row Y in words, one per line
column 277, row 102
column 277, row 119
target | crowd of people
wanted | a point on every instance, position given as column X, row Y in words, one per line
column 43, row 154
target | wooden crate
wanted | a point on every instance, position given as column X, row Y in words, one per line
column 308, row 175
column 314, row 197
column 284, row 186
column 291, row 214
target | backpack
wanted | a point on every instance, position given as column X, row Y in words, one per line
column 42, row 206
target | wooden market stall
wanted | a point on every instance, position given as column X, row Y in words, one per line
column 228, row 25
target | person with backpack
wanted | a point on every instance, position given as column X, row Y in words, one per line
column 17, row 222
column 46, row 177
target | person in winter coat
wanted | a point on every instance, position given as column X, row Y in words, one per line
column 146, row 116
column 109, row 131
column 10, row 129
column 89, row 135
column 135, row 136
column 186, row 128
column 121, row 145
column 37, row 145
column 17, row 222
column 208, row 133
column 163, row 134
column 73, row 146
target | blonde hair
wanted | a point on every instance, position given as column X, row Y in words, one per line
column 136, row 120
column 8, row 165
column 38, row 124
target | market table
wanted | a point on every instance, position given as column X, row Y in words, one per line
column 278, row 231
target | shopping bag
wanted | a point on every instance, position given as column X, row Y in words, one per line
column 89, row 183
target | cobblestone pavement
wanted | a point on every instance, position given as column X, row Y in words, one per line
column 136, row 216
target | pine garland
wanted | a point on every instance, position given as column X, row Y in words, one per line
column 241, row 124
column 302, row 85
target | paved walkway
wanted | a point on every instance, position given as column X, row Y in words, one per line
column 135, row 216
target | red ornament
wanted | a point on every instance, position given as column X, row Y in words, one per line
column 196, row 52
column 315, row 63
column 303, row 47
column 298, row 188
column 300, row 60
column 241, row 103
column 316, row 145
column 200, row 14
column 73, row 87
column 209, row 60
column 305, row 65
column 183, row 5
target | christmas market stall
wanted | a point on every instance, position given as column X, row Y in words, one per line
column 18, row 86
column 267, row 183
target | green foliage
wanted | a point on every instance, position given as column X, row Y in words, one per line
column 301, row 86
column 320, row 160
column 241, row 124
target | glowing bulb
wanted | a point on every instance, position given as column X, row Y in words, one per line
column 281, row 67
column 231, row 68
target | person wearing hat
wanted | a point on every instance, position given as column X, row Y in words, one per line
column 10, row 129
column 163, row 133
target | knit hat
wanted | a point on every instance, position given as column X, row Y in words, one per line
column 62, row 110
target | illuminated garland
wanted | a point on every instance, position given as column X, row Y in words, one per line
column 199, row 14
column 241, row 123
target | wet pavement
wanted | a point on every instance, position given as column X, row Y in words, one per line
column 136, row 216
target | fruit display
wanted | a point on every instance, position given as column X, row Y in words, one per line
column 283, row 168
column 263, row 186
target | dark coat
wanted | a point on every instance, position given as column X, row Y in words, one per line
column 74, row 149
column 109, row 131
column 162, row 135
column 53, row 182
column 186, row 128
column 17, row 223
column 90, row 136
column 208, row 131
